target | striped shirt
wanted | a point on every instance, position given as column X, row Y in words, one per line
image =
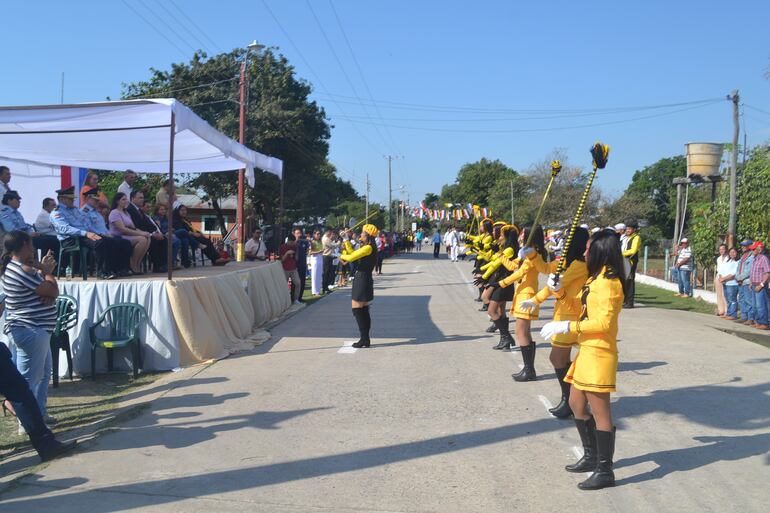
column 759, row 267
column 23, row 306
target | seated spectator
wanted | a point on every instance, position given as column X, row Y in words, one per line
column 12, row 220
column 121, row 225
column 118, row 249
column 191, row 238
column 255, row 247
column 43, row 224
column 223, row 254
column 160, row 217
column 92, row 182
column 158, row 244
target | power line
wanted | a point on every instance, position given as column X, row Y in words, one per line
column 167, row 25
column 160, row 32
column 342, row 68
column 756, row 109
column 182, row 25
column 310, row 68
column 196, row 26
column 549, row 129
column 200, row 86
column 361, row 73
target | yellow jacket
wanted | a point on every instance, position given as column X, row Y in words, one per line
column 528, row 273
column 572, row 282
column 598, row 305
column 495, row 263
column 633, row 243
column 363, row 251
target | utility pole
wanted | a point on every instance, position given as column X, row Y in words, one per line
column 735, row 97
column 239, row 252
column 366, row 215
column 390, row 190
column 511, row 201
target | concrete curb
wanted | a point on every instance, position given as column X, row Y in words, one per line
column 705, row 295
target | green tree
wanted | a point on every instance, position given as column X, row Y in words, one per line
column 431, row 200
column 476, row 182
column 281, row 121
column 653, row 187
column 753, row 195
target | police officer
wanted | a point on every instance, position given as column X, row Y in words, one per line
column 12, row 220
column 119, row 247
column 71, row 224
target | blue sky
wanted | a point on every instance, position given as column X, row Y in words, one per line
column 452, row 81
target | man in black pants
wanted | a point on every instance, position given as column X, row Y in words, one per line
column 16, row 389
column 436, row 244
column 630, row 249
column 158, row 245
column 302, row 248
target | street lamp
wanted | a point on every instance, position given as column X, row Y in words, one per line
column 240, row 218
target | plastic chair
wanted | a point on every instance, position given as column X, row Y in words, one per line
column 73, row 245
column 123, row 320
column 66, row 319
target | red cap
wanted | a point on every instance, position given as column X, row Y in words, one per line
column 756, row 245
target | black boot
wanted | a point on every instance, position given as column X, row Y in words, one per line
column 506, row 340
column 484, row 308
column 48, row 447
column 587, row 431
column 364, row 322
column 562, row 410
column 528, row 372
column 492, row 327
column 603, row 475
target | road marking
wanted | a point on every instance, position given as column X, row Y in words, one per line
column 347, row 347
column 546, row 402
column 417, row 269
column 578, row 451
column 468, row 283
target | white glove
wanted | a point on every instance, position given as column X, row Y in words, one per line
column 555, row 287
column 528, row 305
column 554, row 328
column 523, row 252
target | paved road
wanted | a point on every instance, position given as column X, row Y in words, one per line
column 428, row 420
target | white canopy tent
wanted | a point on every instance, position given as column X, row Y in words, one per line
column 148, row 136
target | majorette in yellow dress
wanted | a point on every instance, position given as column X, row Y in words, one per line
column 599, row 303
column 528, row 273
column 572, row 281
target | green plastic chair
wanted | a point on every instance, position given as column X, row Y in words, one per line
column 73, row 245
column 123, row 320
column 66, row 319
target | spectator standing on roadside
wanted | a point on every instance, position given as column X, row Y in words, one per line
column 630, row 249
column 255, row 247
column 721, row 261
column 684, row 268
column 303, row 246
column 330, row 244
column 760, row 277
column 316, row 263
column 288, row 251
column 436, row 239
column 726, row 281
column 745, row 295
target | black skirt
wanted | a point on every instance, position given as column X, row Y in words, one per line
column 363, row 287
column 502, row 294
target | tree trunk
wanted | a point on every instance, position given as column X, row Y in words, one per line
column 220, row 217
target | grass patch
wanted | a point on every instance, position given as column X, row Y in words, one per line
column 660, row 298
column 78, row 403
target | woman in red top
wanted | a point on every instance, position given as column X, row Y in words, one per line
column 289, row 262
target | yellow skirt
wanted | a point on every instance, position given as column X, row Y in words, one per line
column 520, row 313
column 564, row 340
column 594, row 369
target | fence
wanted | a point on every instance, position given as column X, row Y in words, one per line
column 662, row 267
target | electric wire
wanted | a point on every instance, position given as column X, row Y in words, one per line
column 182, row 25
column 312, row 71
column 156, row 29
column 167, row 25
column 342, row 68
column 196, row 26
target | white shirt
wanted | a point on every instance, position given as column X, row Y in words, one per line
column 256, row 248
column 43, row 224
column 3, row 189
column 683, row 254
column 453, row 239
column 721, row 261
column 125, row 189
column 727, row 268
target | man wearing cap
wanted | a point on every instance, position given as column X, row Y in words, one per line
column 745, row 294
column 684, row 267
column 759, row 277
column 630, row 249
column 70, row 224
column 119, row 247
column 620, row 229
column 12, row 220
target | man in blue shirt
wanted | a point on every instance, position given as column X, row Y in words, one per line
column 303, row 246
column 12, row 220
column 94, row 222
column 436, row 239
column 73, row 227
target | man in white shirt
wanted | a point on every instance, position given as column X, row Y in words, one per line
column 129, row 177
column 684, row 266
column 255, row 247
column 454, row 244
column 43, row 222
column 5, row 177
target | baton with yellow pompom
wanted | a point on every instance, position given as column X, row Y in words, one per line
column 599, row 152
column 555, row 170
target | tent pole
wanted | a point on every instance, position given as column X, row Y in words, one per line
column 171, row 194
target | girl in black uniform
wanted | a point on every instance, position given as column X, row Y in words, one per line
column 484, row 237
column 363, row 285
column 509, row 238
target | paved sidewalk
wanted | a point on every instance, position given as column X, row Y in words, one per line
column 428, row 420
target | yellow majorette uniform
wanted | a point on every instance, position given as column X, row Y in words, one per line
column 599, row 304
column 528, row 273
column 572, row 281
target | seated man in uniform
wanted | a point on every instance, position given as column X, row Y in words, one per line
column 12, row 220
column 70, row 223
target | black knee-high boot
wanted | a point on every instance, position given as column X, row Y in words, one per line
column 364, row 323
column 562, row 410
column 587, row 431
column 481, row 291
column 528, row 372
column 603, row 475
column 506, row 340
